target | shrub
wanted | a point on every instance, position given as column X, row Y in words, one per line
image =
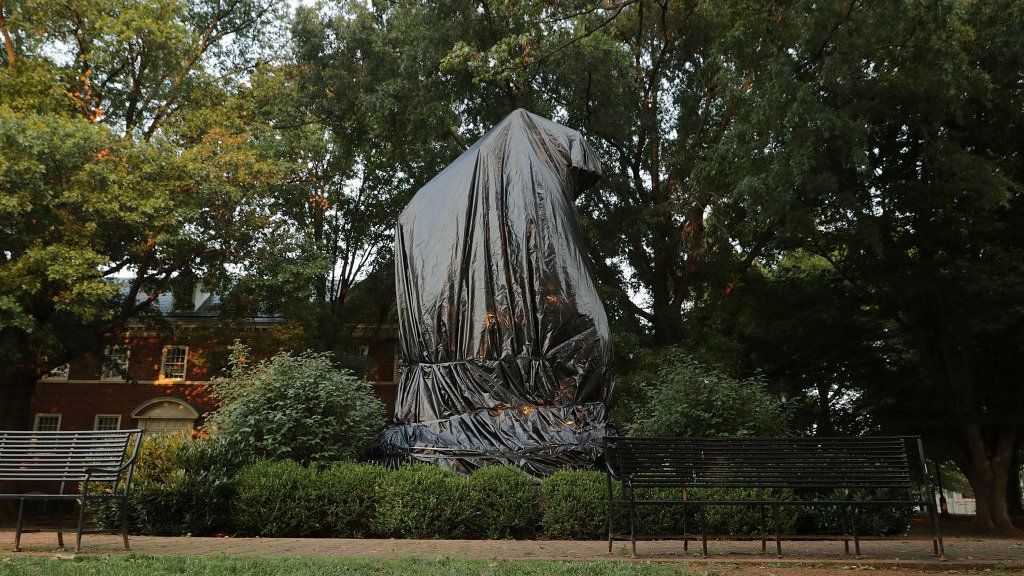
column 181, row 486
column 423, row 501
column 574, row 504
column 297, row 407
column 871, row 520
column 688, row 398
column 277, row 499
column 504, row 501
column 348, row 496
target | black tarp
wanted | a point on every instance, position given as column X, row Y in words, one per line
column 505, row 342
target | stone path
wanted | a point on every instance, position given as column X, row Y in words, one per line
column 962, row 553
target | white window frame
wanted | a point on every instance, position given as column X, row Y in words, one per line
column 117, row 376
column 96, row 421
column 55, row 376
column 163, row 363
column 41, row 415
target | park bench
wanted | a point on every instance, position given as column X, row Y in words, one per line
column 845, row 473
column 82, row 466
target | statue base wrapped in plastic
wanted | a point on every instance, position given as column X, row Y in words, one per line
column 505, row 342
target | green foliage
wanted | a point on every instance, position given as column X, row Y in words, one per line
column 278, row 499
column 504, row 502
column 574, row 504
column 181, row 486
column 284, row 498
column 684, row 397
column 348, row 497
column 423, row 501
column 874, row 520
column 200, row 488
column 294, row 406
column 111, row 165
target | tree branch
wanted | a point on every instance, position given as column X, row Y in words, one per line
column 8, row 43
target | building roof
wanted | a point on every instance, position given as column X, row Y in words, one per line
column 204, row 307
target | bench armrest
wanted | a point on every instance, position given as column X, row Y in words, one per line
column 101, row 470
column 611, row 471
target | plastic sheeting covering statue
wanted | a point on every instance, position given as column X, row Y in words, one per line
column 505, row 342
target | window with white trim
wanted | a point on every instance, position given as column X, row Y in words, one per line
column 174, row 362
column 107, row 422
column 47, row 423
column 59, row 373
column 115, row 362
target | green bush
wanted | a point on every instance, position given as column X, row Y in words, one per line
column 278, row 499
column 574, row 504
column 423, row 501
column 348, row 496
column 504, row 502
column 186, row 486
column 871, row 520
column 181, row 486
column 299, row 407
column 688, row 398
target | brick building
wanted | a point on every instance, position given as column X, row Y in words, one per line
column 156, row 376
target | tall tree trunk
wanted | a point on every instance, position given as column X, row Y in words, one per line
column 986, row 451
column 988, row 470
column 666, row 318
column 19, row 384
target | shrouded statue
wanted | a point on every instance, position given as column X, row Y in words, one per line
column 505, row 342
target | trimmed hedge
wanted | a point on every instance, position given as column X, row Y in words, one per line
column 504, row 503
column 423, row 501
column 575, row 504
column 195, row 488
column 287, row 499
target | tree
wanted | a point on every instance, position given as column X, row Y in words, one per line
column 814, row 338
column 121, row 176
column 924, row 222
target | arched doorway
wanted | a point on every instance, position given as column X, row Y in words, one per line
column 166, row 414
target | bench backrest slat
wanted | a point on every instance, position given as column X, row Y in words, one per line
column 62, row 456
column 865, row 462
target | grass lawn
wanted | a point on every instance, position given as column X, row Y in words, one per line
column 224, row 566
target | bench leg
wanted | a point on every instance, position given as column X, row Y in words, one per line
column 937, row 546
column 778, row 537
column 703, row 531
column 60, row 525
column 846, row 535
column 81, row 517
column 611, row 497
column 17, row 527
column 124, row 525
column 632, row 520
column 60, row 520
column 686, row 530
column 853, row 526
column 764, row 532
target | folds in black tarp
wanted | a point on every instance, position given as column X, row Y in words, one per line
column 505, row 342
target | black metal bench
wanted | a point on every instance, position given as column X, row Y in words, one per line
column 806, row 466
column 88, row 461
